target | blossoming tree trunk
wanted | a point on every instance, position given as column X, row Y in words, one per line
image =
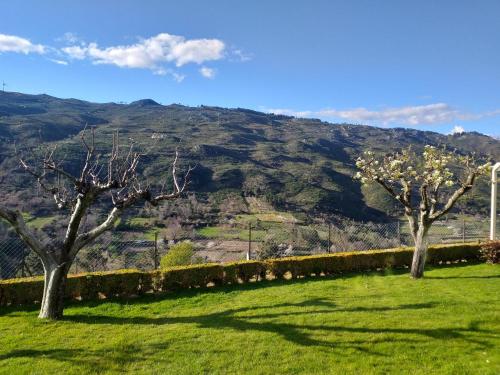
column 420, row 253
column 423, row 186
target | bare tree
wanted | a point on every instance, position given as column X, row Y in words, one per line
column 427, row 186
column 114, row 176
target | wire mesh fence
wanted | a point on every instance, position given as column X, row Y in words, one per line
column 223, row 243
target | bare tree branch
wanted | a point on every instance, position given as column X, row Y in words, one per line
column 87, row 237
column 16, row 220
column 57, row 193
column 80, row 192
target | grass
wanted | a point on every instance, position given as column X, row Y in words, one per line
column 40, row 222
column 140, row 221
column 447, row 323
column 271, row 216
column 216, row 232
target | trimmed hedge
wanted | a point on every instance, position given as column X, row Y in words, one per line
column 80, row 287
column 328, row 264
column 132, row 282
column 243, row 272
column 192, row 276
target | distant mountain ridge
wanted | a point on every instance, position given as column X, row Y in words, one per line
column 302, row 165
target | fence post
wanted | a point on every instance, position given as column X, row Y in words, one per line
column 399, row 233
column 329, row 237
column 23, row 264
column 249, row 240
column 155, row 254
column 463, row 230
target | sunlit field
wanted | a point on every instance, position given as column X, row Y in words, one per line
column 447, row 323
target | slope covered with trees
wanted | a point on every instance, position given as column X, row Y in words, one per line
column 300, row 165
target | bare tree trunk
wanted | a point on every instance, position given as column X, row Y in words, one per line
column 78, row 193
column 420, row 253
column 53, row 294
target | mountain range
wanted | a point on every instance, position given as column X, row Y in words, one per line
column 292, row 164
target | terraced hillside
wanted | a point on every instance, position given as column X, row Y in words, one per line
column 299, row 165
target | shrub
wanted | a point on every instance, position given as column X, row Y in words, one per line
column 183, row 277
column 448, row 253
column 271, row 248
column 92, row 259
column 244, row 272
column 21, row 291
column 490, row 252
column 107, row 284
column 179, row 254
column 366, row 260
column 132, row 282
column 284, row 241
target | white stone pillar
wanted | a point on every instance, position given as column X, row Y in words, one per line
column 494, row 183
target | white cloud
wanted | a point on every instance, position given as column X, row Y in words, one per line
column 290, row 112
column 16, row 44
column 152, row 53
column 163, row 72
column 241, row 55
column 178, row 77
column 437, row 113
column 207, row 72
column 413, row 115
column 75, row 52
column 457, row 129
column 59, row 62
column 163, row 54
column 69, row 37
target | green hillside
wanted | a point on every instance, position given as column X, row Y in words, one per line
column 298, row 165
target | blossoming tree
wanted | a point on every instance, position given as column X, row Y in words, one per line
column 427, row 185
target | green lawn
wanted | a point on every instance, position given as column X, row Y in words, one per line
column 447, row 323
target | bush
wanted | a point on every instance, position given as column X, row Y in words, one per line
column 328, row 264
column 81, row 287
column 21, row 291
column 490, row 252
column 438, row 254
column 271, row 248
column 245, row 271
column 183, row 277
column 128, row 283
column 179, row 254
column 282, row 242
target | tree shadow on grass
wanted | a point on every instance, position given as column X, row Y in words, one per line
column 148, row 298
column 254, row 319
column 99, row 360
column 170, row 295
column 18, row 310
column 33, row 353
column 194, row 292
column 244, row 319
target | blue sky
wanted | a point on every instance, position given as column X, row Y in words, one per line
column 430, row 65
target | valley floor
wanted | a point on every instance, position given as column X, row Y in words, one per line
column 448, row 323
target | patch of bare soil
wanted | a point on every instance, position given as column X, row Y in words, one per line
column 223, row 251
